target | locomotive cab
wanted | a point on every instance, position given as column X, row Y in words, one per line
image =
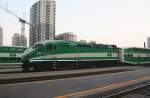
column 31, row 53
column 39, row 57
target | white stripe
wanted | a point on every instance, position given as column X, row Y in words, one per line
column 8, row 54
column 72, row 60
column 98, row 59
column 96, row 55
column 139, row 54
column 18, row 54
column 39, row 60
column 75, row 55
column 4, row 54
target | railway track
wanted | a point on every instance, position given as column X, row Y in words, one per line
column 143, row 92
column 136, row 88
column 111, row 91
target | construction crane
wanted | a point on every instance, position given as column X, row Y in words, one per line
column 22, row 21
column 12, row 13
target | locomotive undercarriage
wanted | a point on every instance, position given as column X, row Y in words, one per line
column 63, row 65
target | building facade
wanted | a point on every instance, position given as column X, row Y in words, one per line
column 23, row 40
column 68, row 36
column 42, row 17
column 1, row 36
column 16, row 39
column 148, row 42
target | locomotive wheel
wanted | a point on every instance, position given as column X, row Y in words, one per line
column 76, row 66
column 25, row 68
column 36, row 68
column 55, row 66
column 52, row 66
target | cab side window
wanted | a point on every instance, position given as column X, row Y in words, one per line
column 39, row 47
column 54, row 47
column 128, row 55
column 49, row 47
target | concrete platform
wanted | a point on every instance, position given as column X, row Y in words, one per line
column 62, row 87
column 38, row 76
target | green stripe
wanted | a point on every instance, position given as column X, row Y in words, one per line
column 137, row 59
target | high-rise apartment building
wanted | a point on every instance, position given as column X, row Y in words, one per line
column 148, row 42
column 1, row 36
column 16, row 39
column 42, row 17
column 68, row 36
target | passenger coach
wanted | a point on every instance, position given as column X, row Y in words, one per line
column 11, row 54
column 137, row 56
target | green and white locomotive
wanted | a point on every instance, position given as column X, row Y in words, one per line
column 11, row 54
column 56, row 54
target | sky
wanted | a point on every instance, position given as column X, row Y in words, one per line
column 125, row 23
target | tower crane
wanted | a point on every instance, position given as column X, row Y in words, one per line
column 21, row 20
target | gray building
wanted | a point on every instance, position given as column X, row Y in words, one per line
column 16, row 39
column 68, row 36
column 1, row 36
column 23, row 40
column 148, row 42
column 42, row 17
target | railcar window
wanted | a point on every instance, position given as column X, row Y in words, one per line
column 128, row 55
column 4, row 59
column 13, row 49
column 125, row 55
column 82, row 45
column 12, row 58
column 147, row 55
column 109, row 54
column 54, row 47
column 18, row 58
column 102, row 46
column 5, row 49
column 49, row 47
column 131, row 55
column 20, row 50
column 12, row 55
column 64, row 44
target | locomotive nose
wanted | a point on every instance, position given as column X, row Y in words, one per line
column 26, row 54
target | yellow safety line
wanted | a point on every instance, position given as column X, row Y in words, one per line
column 102, row 88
